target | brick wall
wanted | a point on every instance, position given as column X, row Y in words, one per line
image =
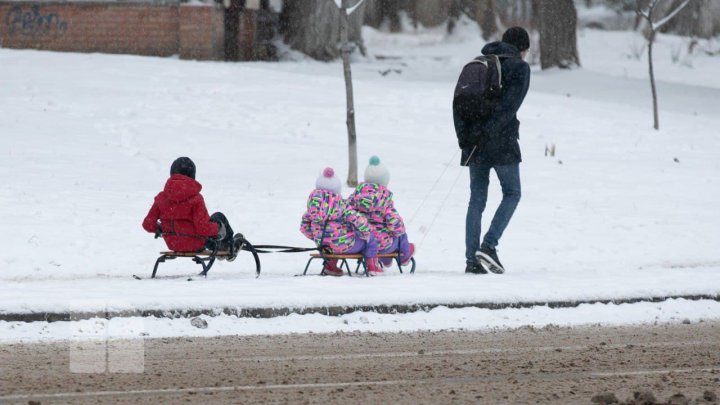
column 112, row 28
column 202, row 32
column 246, row 38
column 194, row 32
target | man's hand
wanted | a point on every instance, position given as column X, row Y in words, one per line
column 468, row 142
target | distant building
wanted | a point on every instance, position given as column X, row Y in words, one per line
column 194, row 29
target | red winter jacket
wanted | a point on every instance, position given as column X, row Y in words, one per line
column 183, row 215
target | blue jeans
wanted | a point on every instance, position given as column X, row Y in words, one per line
column 509, row 176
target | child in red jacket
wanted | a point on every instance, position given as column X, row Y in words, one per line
column 180, row 216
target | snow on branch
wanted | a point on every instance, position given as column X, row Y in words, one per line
column 647, row 13
column 351, row 9
column 656, row 26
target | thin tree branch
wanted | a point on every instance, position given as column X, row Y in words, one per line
column 647, row 13
column 657, row 25
column 353, row 8
column 349, row 10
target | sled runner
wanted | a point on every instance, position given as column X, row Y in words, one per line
column 343, row 260
column 206, row 258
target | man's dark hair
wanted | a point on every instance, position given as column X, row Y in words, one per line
column 517, row 37
column 184, row 166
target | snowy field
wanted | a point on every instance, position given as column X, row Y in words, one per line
column 622, row 211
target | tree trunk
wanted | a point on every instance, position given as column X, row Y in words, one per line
column 653, row 25
column 486, row 17
column 346, row 48
column 515, row 12
column 656, row 120
column 379, row 11
column 313, row 27
column 431, row 13
column 483, row 12
column 557, row 23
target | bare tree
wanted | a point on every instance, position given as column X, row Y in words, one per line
column 430, row 13
column 484, row 12
column 557, row 23
column 516, row 12
column 346, row 7
column 487, row 18
column 313, row 27
column 648, row 14
column 379, row 11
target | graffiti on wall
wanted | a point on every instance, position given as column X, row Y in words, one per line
column 32, row 22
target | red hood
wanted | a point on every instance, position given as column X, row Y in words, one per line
column 181, row 188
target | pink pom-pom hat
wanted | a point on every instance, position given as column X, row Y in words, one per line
column 328, row 181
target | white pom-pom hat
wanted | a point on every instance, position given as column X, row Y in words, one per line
column 328, row 181
column 376, row 172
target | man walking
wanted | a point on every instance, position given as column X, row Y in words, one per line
column 496, row 148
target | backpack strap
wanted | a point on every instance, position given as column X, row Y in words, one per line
column 480, row 61
column 499, row 69
column 484, row 59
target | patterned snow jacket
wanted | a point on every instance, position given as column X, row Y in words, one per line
column 376, row 204
column 327, row 213
column 181, row 210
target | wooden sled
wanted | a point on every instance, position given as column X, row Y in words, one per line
column 343, row 259
column 205, row 258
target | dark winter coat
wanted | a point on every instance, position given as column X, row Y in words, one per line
column 182, row 213
column 501, row 131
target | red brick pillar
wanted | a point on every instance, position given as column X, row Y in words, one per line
column 246, row 37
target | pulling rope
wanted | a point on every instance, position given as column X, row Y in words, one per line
column 256, row 248
column 422, row 203
column 432, row 188
column 282, row 249
column 294, row 249
column 437, row 213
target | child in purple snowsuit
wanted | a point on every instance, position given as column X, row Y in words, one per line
column 373, row 199
column 331, row 222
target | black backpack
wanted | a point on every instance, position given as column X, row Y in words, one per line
column 477, row 93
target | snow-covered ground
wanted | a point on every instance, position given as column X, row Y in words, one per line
column 437, row 319
column 86, row 141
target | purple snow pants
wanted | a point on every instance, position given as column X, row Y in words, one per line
column 369, row 249
column 399, row 243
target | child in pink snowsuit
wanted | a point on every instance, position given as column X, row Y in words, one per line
column 331, row 222
column 373, row 199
